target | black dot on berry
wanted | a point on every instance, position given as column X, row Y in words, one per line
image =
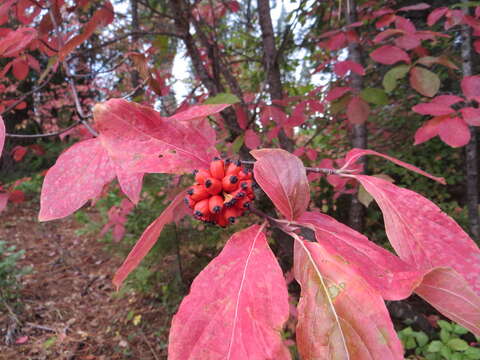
column 190, row 191
column 216, row 158
column 208, row 183
column 231, row 219
column 240, row 195
column 246, row 205
column 244, row 186
column 198, row 213
column 195, row 172
column 228, row 161
column 216, row 209
column 233, row 179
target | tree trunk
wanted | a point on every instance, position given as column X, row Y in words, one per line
column 359, row 131
column 271, row 64
column 471, row 152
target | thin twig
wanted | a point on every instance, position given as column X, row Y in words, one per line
column 152, row 350
column 314, row 169
column 41, row 327
column 34, row 136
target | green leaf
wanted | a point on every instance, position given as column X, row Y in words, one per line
column 444, row 335
column 457, row 344
column 435, row 346
column 393, row 75
column 237, row 144
column 365, row 199
column 49, row 342
column 460, row 330
column 374, row 96
column 422, row 338
column 445, row 325
column 446, row 352
column 222, row 98
column 410, row 343
column 473, row 353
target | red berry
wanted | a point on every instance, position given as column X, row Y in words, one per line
column 230, row 183
column 200, row 209
column 189, row 202
column 198, row 192
column 217, row 168
column 213, row 186
column 245, row 174
column 233, row 168
column 215, row 204
column 201, row 175
column 231, row 214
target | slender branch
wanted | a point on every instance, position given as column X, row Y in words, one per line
column 55, row 133
column 327, row 171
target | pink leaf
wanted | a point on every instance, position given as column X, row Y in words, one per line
column 139, row 140
column 130, row 183
column 21, row 340
column 78, row 175
column 433, row 109
column 273, row 113
column 393, row 278
column 471, row 116
column 20, row 68
column 237, row 305
column 428, row 130
column 424, row 81
column 471, row 87
column 454, row 132
column 357, row 110
column 337, row 92
column 448, row 100
column 339, row 315
column 198, row 112
column 341, row 68
column 147, row 240
column 448, row 291
column 436, row 14
column 16, row 41
column 389, row 55
column 2, row 135
column 242, row 118
column 419, row 6
column 252, row 140
column 354, row 154
column 421, row 233
column 283, row 178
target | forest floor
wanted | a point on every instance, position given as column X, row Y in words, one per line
column 68, row 307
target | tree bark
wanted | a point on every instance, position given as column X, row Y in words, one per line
column 471, row 152
column 271, row 63
column 135, row 29
column 359, row 131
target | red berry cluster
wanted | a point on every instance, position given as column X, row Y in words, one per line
column 222, row 193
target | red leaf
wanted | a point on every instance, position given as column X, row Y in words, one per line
column 354, row 154
column 78, row 175
column 139, row 140
column 283, row 178
column 130, row 183
column 16, row 41
column 446, row 290
column 341, row 68
column 24, row 12
column 20, row 68
column 339, row 315
column 471, row 116
column 432, row 108
column 297, row 117
column 242, row 118
column 357, row 110
column 419, row 6
column 389, row 55
column 424, row 81
column 2, row 135
column 100, row 18
column 273, row 113
column 436, row 14
column 448, row 100
column 336, row 41
column 471, row 87
column 337, row 92
column 147, row 240
column 385, row 20
column 198, row 112
column 393, row 278
column 406, row 25
column 252, row 140
column 19, row 152
column 21, row 340
column 236, row 307
column 408, row 42
column 454, row 132
column 16, row 196
column 428, row 130
column 421, row 233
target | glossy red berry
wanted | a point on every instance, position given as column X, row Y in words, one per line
column 215, row 204
column 201, row 175
column 213, row 186
column 217, row 168
column 201, row 209
column 230, row 183
column 233, row 168
column 198, row 192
